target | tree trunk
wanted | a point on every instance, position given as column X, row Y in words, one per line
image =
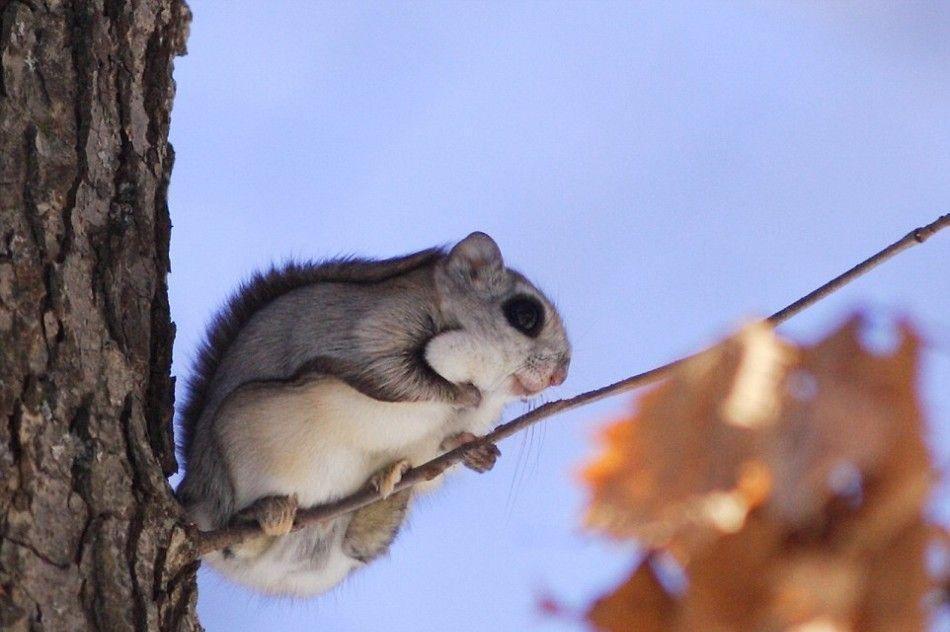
column 90, row 536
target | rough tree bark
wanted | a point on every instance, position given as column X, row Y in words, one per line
column 89, row 531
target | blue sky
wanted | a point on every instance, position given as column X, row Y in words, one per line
column 662, row 170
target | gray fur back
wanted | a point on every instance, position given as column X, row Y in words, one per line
column 261, row 290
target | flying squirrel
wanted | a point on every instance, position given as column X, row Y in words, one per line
column 318, row 379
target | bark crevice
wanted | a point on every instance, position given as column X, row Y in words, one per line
column 90, row 533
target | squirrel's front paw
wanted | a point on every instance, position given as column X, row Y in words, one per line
column 385, row 480
column 275, row 514
column 481, row 459
column 467, row 395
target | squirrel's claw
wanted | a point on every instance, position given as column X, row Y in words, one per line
column 481, row 458
column 385, row 480
column 275, row 514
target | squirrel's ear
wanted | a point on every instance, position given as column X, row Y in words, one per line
column 477, row 259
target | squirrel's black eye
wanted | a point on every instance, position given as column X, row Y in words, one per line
column 525, row 314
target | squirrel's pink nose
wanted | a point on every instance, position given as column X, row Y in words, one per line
column 560, row 374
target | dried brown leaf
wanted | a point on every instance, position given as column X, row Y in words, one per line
column 640, row 603
column 676, row 462
column 896, row 582
column 790, row 481
column 850, row 420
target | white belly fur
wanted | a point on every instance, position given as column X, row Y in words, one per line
column 323, row 441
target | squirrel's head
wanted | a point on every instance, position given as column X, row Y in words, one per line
column 505, row 336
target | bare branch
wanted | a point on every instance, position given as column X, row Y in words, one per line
column 208, row 541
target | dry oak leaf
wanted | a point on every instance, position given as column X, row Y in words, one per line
column 641, row 603
column 790, row 482
column 850, row 422
column 761, row 579
column 683, row 464
column 756, row 421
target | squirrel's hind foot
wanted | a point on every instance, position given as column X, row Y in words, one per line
column 385, row 480
column 275, row 514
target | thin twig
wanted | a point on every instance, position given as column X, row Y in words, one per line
column 208, row 541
